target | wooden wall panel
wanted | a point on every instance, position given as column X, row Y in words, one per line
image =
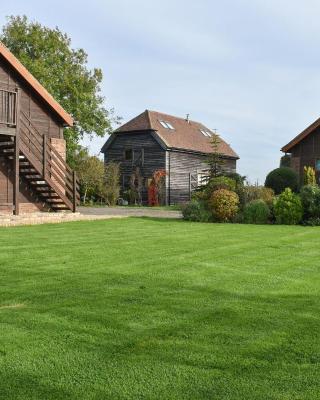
column 154, row 157
column 44, row 120
column 41, row 116
column 179, row 166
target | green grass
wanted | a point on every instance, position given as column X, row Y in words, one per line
column 157, row 309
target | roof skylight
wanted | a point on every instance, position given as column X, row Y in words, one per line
column 166, row 125
column 205, row 133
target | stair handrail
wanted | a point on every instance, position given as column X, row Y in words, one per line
column 51, row 161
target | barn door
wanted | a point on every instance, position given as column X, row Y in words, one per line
column 193, row 183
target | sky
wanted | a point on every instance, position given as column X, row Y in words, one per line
column 248, row 68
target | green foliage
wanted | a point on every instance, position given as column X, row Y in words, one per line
column 282, row 178
column 256, row 212
column 312, row 222
column 111, row 186
column 195, row 211
column 239, row 189
column 310, row 198
column 224, row 205
column 309, row 176
column 91, row 173
column 221, row 182
column 288, row 208
column 64, row 72
column 258, row 193
column 285, row 161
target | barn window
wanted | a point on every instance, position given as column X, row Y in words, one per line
column 128, row 155
column 203, row 178
column 138, row 156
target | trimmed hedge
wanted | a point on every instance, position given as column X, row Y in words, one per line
column 281, row 178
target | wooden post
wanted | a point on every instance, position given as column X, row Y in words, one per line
column 74, row 203
column 16, row 167
column 44, row 156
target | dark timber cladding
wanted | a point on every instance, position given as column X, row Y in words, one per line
column 33, row 173
column 305, row 150
column 155, row 141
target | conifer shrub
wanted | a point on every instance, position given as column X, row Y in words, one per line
column 309, row 176
column 288, row 208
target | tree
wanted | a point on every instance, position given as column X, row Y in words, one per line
column 63, row 71
column 215, row 159
column 91, row 174
column 110, row 189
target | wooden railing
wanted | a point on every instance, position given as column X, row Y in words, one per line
column 8, row 108
column 49, row 163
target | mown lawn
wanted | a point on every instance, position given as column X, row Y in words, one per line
column 156, row 309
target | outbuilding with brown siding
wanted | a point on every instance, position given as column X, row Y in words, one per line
column 304, row 150
column 157, row 141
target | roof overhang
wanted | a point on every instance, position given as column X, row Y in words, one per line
column 35, row 84
column 288, row 147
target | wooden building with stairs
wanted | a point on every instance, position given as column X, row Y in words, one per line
column 34, row 175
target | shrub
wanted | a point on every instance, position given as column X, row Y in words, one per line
column 195, row 211
column 239, row 180
column 281, row 178
column 309, row 176
column 221, row 182
column 259, row 193
column 224, row 205
column 310, row 198
column 288, row 208
column 312, row 222
column 256, row 212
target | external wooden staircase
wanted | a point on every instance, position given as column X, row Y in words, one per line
column 39, row 165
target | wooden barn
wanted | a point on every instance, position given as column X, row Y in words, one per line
column 304, row 150
column 155, row 141
column 34, row 175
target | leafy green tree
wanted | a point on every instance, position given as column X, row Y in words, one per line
column 91, row 174
column 63, row 71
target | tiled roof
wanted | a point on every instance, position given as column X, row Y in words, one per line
column 37, row 87
column 186, row 135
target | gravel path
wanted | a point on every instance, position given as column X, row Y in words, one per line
column 129, row 212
